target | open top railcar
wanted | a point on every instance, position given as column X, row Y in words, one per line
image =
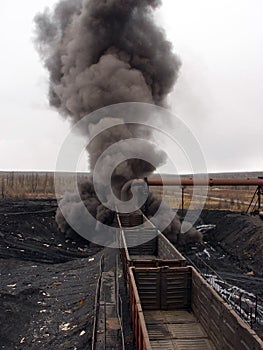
column 155, row 251
column 174, row 308
column 145, row 247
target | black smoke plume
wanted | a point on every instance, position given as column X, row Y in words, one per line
column 99, row 53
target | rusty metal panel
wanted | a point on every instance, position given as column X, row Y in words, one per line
column 169, row 316
column 205, row 314
column 176, row 329
column 165, row 344
column 141, row 241
column 224, row 327
column 154, row 252
column 193, row 344
column 131, row 219
column 188, row 344
column 164, row 288
column 214, row 329
column 153, row 316
column 248, row 341
column 202, row 296
column 219, row 327
column 148, row 284
column 137, row 317
column 167, row 251
column 179, row 316
column 158, row 331
column 228, row 329
column 175, row 288
column 186, row 331
column 147, row 248
column 207, row 308
column 236, row 334
column 141, row 261
column 144, row 258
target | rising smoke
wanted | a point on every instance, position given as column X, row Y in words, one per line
column 99, row 53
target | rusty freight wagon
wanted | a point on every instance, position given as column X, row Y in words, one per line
column 156, row 250
column 175, row 308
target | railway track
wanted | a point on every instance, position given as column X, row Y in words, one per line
column 29, row 212
column 107, row 329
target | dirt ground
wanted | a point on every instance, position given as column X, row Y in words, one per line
column 47, row 284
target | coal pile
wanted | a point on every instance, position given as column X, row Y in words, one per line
column 230, row 259
column 47, row 284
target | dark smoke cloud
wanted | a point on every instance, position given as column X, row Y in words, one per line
column 173, row 225
column 104, row 52
column 99, row 53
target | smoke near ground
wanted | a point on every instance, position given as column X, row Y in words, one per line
column 100, row 53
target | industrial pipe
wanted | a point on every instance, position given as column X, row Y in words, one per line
column 184, row 181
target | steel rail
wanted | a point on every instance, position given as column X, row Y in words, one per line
column 29, row 212
column 97, row 305
column 117, row 298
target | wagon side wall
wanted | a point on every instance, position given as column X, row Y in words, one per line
column 138, row 322
column 225, row 328
column 166, row 251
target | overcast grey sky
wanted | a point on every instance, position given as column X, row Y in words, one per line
column 218, row 94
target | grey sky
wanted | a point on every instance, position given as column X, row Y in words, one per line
column 218, row 95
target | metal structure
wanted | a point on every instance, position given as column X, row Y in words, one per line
column 188, row 181
column 247, row 305
column 174, row 307
column 107, row 326
column 156, row 250
column 256, row 200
